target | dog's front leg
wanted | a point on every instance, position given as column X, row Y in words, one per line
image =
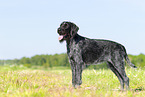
column 76, row 73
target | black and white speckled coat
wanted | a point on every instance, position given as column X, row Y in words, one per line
column 83, row 51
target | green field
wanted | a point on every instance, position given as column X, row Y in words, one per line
column 19, row 81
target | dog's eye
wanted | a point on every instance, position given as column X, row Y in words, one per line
column 65, row 25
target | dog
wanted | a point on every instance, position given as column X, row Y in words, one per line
column 83, row 51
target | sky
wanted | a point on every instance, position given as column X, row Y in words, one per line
column 29, row 27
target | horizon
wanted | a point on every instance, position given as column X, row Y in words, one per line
column 55, row 54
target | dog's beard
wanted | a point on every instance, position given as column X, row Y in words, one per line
column 61, row 41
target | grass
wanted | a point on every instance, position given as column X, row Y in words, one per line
column 18, row 81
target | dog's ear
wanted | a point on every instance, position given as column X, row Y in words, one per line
column 74, row 30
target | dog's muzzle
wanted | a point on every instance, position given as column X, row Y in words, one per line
column 61, row 36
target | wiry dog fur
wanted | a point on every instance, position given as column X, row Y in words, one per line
column 83, row 51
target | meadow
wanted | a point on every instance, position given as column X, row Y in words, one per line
column 20, row 81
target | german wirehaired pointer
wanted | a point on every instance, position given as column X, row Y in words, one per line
column 83, row 51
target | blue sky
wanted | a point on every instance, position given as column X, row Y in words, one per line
column 28, row 27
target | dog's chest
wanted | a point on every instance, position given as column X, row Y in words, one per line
column 74, row 50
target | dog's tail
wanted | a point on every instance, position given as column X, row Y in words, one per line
column 127, row 59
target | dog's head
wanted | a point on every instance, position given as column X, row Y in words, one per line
column 67, row 31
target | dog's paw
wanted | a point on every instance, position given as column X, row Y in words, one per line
column 77, row 86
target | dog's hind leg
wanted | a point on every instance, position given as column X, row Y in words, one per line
column 116, row 72
column 123, row 73
column 118, row 63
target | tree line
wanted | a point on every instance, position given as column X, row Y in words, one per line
column 40, row 60
column 62, row 60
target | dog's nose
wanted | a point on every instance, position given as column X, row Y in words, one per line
column 59, row 31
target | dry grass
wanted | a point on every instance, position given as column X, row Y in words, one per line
column 23, row 82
